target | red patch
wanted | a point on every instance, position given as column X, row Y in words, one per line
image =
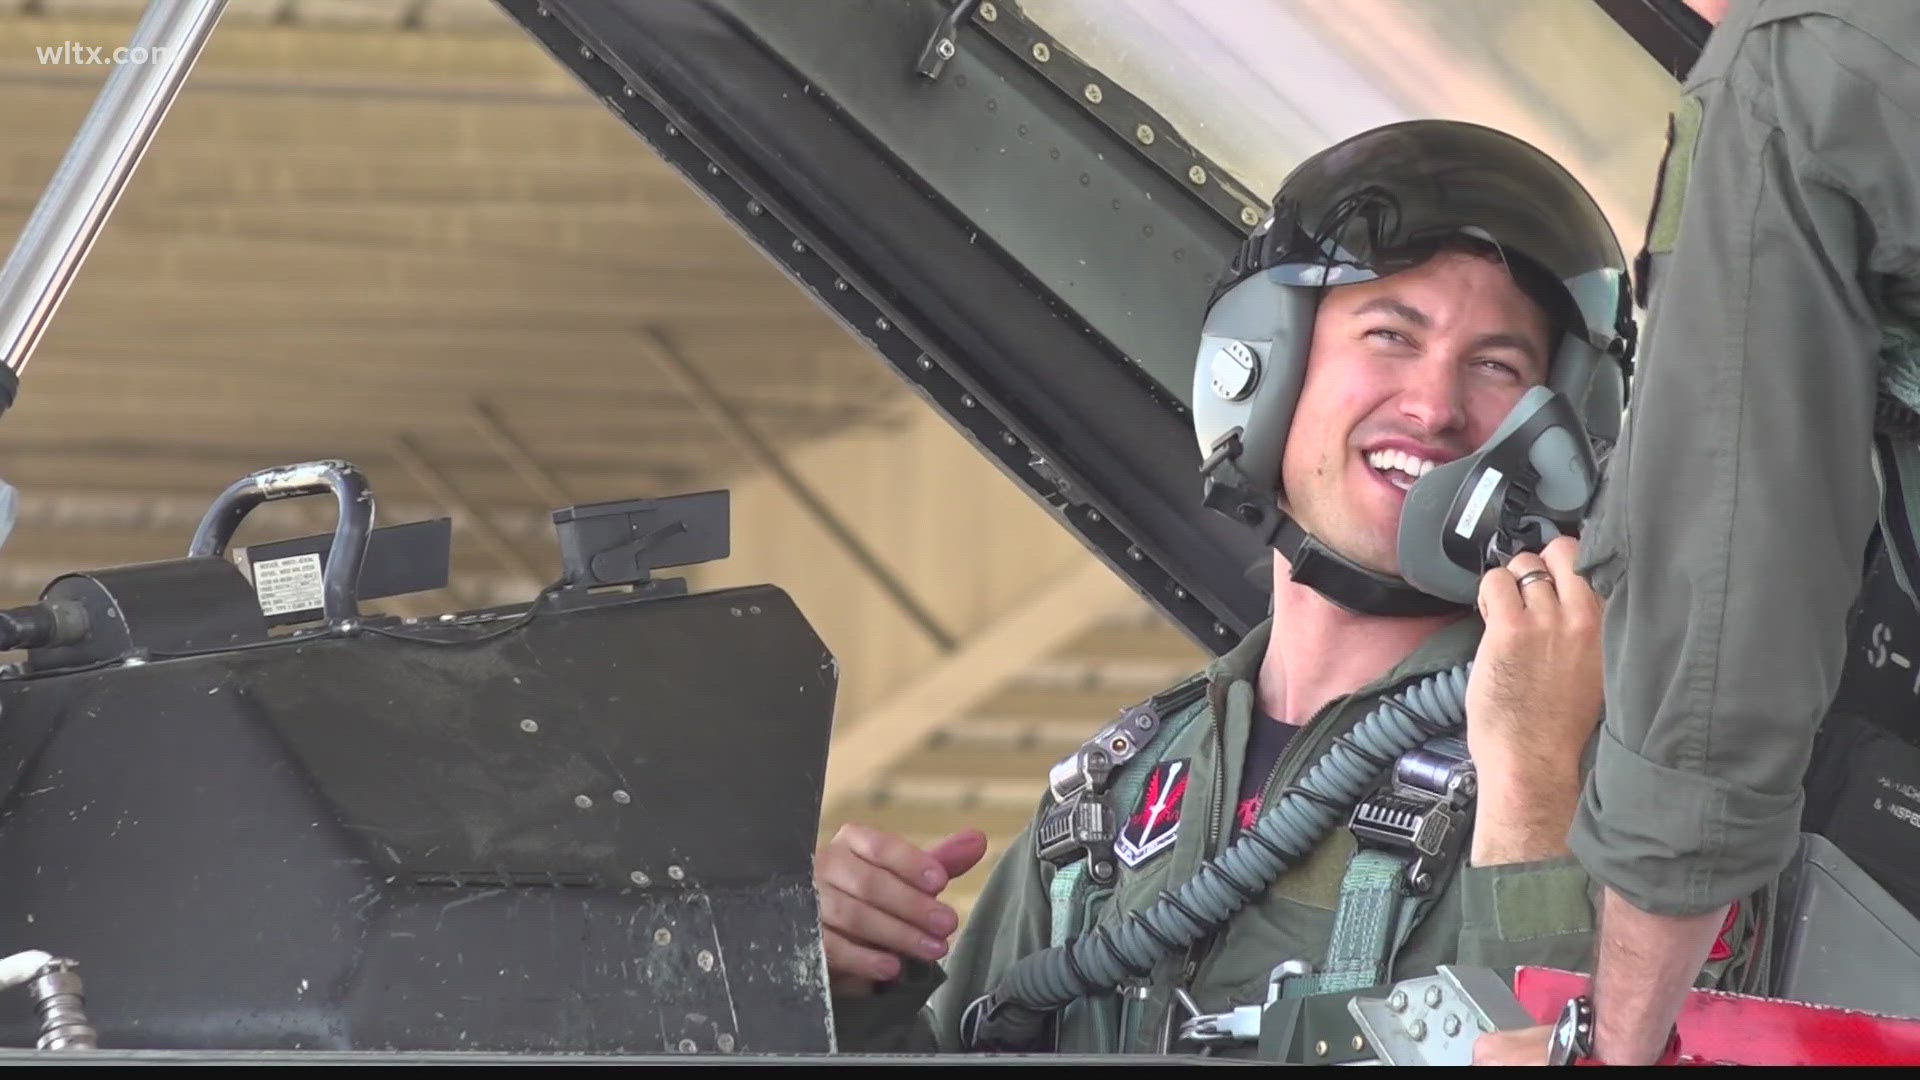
column 1248, row 812
column 1155, row 823
column 1723, row 945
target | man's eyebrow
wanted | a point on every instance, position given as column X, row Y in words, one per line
column 1394, row 307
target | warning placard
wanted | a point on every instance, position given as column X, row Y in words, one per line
column 288, row 585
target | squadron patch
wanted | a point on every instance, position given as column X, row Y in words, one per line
column 1155, row 823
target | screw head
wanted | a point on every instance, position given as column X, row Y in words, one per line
column 1320, row 1048
column 1144, row 134
column 687, row 1046
column 583, row 802
column 663, row 936
column 798, row 248
column 1417, row 1030
column 1041, row 52
column 640, row 878
column 1179, row 593
column 725, row 1042
column 705, row 960
column 530, row 725
column 676, row 873
column 1451, row 1025
column 754, row 208
column 1093, row 93
column 967, row 402
column 1398, row 1002
column 882, row 325
column 672, row 132
column 629, row 91
column 713, row 169
column 1220, row 629
column 945, row 48
column 989, row 12
column 839, row 284
column 586, row 52
column 925, row 362
column 1358, row 1043
column 1197, row 174
column 1433, row 997
column 1249, row 216
column 622, row 798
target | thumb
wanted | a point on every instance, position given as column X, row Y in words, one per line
column 958, row 853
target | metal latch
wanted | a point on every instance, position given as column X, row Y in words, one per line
column 1242, row 1023
column 1083, row 825
column 1080, row 822
column 1422, row 812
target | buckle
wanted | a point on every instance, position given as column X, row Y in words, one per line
column 1082, row 825
column 1422, row 812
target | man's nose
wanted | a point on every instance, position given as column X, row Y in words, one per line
column 1434, row 397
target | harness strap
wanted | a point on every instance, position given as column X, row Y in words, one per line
column 1069, row 895
column 1366, row 927
column 1382, row 896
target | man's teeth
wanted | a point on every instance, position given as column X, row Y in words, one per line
column 1401, row 462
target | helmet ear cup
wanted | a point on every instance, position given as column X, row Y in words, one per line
column 1242, row 417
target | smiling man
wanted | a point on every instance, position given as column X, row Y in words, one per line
column 1415, row 284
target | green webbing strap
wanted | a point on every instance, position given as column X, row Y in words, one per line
column 1368, row 926
column 1068, row 893
column 1064, row 895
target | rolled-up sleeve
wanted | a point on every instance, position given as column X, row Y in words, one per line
column 1736, row 513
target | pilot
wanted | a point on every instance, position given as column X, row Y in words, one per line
column 1423, row 294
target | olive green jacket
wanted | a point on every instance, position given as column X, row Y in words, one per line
column 1499, row 916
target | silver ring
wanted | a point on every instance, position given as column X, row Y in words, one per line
column 1532, row 576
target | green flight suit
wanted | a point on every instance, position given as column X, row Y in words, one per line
column 1533, row 913
column 1783, row 268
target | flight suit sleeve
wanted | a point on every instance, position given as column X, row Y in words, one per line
column 920, row 1012
column 1732, row 528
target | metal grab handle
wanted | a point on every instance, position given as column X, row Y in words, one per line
column 340, row 581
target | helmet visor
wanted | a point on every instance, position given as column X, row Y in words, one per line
column 1390, row 199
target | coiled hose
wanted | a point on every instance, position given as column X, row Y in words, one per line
column 1014, row 1014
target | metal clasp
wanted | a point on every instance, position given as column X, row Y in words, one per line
column 1422, row 812
column 1240, row 1024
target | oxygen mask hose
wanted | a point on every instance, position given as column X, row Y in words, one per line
column 1013, row 1015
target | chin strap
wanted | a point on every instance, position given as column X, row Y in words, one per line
column 1348, row 584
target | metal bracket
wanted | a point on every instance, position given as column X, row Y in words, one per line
column 1137, row 125
column 1437, row 1019
column 945, row 40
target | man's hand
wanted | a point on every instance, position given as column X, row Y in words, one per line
column 1532, row 703
column 1522, row 1046
column 879, row 902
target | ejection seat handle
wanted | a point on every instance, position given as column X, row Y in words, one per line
column 340, row 580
